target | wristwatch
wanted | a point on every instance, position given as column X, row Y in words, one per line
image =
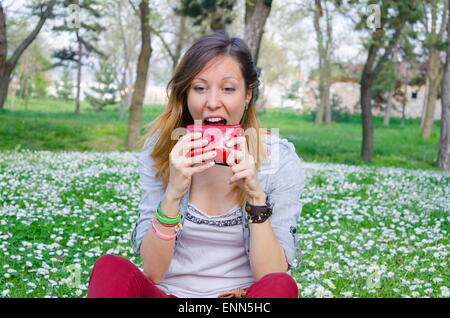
column 258, row 213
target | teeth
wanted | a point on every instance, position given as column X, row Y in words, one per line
column 215, row 120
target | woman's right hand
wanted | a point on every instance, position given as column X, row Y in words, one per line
column 182, row 167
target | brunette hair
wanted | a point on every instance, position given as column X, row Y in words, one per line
column 177, row 114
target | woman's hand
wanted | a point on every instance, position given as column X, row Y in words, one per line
column 182, row 168
column 244, row 172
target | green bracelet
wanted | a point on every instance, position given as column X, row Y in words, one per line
column 158, row 209
column 164, row 218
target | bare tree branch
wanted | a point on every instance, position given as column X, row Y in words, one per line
column 11, row 63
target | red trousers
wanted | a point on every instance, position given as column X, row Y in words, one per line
column 117, row 277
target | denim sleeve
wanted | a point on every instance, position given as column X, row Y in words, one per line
column 152, row 191
column 286, row 186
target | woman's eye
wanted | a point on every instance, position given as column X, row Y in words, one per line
column 229, row 89
column 198, row 88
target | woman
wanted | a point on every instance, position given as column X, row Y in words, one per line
column 207, row 230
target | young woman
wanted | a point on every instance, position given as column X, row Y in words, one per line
column 208, row 230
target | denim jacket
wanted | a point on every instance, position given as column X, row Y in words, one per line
column 281, row 176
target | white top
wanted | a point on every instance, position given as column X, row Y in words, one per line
column 210, row 257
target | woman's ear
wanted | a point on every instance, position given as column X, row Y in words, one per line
column 248, row 96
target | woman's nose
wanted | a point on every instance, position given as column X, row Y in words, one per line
column 214, row 99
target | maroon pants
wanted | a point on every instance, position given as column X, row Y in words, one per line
column 117, row 277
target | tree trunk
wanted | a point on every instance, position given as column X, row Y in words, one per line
column 324, row 65
column 424, row 104
column 8, row 65
column 404, row 100
column 326, row 95
column 256, row 13
column 77, row 97
column 322, row 56
column 327, row 65
column 180, row 42
column 370, row 71
column 444, row 139
column 4, row 83
column 137, row 98
column 434, row 79
column 367, row 77
column 366, row 113
column 124, row 83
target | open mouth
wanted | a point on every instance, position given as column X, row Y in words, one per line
column 215, row 121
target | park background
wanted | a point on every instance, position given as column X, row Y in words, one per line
column 361, row 88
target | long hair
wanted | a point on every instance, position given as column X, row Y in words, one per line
column 177, row 114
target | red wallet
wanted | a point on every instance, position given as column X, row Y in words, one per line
column 217, row 136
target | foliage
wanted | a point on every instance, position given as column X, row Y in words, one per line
column 215, row 12
column 105, row 91
column 385, row 81
column 65, row 86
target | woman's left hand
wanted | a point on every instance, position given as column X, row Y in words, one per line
column 244, row 172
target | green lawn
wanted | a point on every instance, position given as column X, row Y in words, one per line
column 363, row 231
column 51, row 125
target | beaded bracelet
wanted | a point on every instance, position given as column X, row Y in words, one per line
column 161, row 235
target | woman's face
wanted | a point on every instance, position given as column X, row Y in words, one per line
column 218, row 91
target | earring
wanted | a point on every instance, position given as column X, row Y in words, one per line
column 246, row 106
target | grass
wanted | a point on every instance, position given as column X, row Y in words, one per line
column 363, row 231
column 52, row 125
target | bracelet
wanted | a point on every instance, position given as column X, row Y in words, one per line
column 167, row 221
column 162, row 236
column 258, row 214
column 178, row 225
column 158, row 210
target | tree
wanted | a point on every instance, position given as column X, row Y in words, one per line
column 215, row 14
column 7, row 65
column 105, row 90
column 274, row 73
column 120, row 44
column 324, row 42
column 137, row 99
column 256, row 13
column 64, row 87
column 384, row 86
column 444, row 139
column 31, row 71
column 435, row 44
column 394, row 16
column 86, row 36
